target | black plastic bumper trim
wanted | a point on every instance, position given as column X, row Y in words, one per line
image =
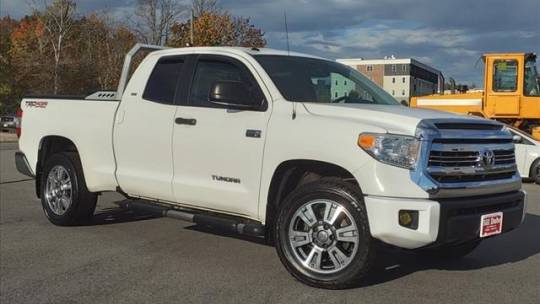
column 22, row 164
column 460, row 218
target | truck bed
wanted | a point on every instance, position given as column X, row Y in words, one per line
column 87, row 123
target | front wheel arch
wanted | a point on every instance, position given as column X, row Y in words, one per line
column 290, row 174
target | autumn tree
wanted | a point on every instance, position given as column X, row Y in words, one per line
column 56, row 51
column 201, row 7
column 102, row 47
column 154, row 18
column 31, row 59
column 219, row 29
column 246, row 34
column 8, row 86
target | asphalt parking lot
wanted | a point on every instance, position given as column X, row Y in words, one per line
column 125, row 257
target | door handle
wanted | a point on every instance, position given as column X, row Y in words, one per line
column 185, row 121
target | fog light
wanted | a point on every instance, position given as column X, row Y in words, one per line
column 408, row 219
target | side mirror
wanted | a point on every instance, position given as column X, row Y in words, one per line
column 517, row 139
column 234, row 94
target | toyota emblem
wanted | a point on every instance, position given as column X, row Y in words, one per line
column 487, row 158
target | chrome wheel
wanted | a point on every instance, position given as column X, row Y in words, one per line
column 323, row 236
column 58, row 192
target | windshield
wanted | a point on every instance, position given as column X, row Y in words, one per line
column 532, row 85
column 315, row 80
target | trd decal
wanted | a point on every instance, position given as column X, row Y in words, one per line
column 37, row 104
column 226, row 179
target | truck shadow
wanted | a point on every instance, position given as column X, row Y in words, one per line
column 392, row 263
column 109, row 216
column 517, row 245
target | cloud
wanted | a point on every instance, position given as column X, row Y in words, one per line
column 450, row 35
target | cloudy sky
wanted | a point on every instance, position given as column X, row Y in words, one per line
column 449, row 35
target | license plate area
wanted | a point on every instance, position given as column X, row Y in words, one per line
column 491, row 224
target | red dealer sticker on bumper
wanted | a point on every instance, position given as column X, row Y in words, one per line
column 491, row 224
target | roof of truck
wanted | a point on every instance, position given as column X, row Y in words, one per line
column 246, row 50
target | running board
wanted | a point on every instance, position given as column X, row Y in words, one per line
column 228, row 223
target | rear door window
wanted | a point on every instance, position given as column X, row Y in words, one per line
column 162, row 83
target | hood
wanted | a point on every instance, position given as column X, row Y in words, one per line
column 394, row 119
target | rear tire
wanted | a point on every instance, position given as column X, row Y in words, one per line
column 65, row 199
column 322, row 234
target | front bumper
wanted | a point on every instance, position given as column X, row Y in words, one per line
column 449, row 220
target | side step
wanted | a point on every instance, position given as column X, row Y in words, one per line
column 229, row 223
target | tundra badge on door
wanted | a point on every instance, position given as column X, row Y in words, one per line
column 226, row 179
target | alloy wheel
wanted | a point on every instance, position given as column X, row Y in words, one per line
column 58, row 190
column 323, row 236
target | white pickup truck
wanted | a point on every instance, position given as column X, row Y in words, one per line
column 298, row 149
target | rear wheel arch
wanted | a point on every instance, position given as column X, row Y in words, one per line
column 48, row 146
column 290, row 174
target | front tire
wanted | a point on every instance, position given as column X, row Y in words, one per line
column 65, row 199
column 322, row 234
column 535, row 172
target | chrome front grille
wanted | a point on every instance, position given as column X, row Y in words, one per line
column 505, row 156
column 453, row 162
column 465, row 157
column 453, row 159
column 469, row 158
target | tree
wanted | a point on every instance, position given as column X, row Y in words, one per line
column 8, row 87
column 54, row 50
column 201, row 7
column 102, row 48
column 246, row 34
column 31, row 60
column 154, row 19
column 218, row 30
column 58, row 20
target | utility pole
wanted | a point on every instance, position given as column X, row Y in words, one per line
column 191, row 28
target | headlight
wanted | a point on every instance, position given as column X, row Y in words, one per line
column 397, row 150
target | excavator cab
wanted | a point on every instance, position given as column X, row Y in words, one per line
column 532, row 79
column 511, row 93
column 511, row 86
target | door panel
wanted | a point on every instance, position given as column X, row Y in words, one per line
column 521, row 158
column 218, row 154
column 506, row 105
column 143, row 133
column 503, row 98
column 216, row 165
column 143, row 150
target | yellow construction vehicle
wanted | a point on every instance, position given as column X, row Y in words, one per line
column 511, row 93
